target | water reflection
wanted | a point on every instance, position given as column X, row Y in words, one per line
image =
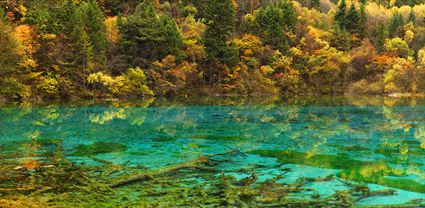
column 370, row 139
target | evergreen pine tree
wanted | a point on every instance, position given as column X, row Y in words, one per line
column 353, row 20
column 220, row 21
column 274, row 22
column 396, row 23
column 147, row 36
column 381, row 36
column 363, row 21
column 89, row 35
column 341, row 16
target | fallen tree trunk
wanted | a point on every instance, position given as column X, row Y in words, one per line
column 148, row 175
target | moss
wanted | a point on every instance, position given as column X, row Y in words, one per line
column 380, row 174
column 377, row 172
column 98, row 148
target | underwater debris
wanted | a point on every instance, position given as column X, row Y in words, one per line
column 98, row 148
column 196, row 183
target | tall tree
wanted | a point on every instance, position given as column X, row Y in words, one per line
column 274, row 22
column 381, row 36
column 341, row 15
column 363, row 21
column 353, row 20
column 396, row 23
column 220, row 21
column 9, row 86
column 89, row 34
column 147, row 36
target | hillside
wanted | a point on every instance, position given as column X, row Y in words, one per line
column 53, row 49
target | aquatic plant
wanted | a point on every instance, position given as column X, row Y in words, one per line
column 377, row 172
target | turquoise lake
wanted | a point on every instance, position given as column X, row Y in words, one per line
column 378, row 142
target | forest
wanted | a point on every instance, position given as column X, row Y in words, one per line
column 78, row 49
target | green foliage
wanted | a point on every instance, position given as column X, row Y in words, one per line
column 396, row 23
column 47, row 86
column 52, row 16
column 146, row 36
column 220, row 21
column 137, row 83
column 113, row 5
column 275, row 23
column 341, row 39
column 381, row 36
column 350, row 20
column 362, row 21
column 89, row 34
column 353, row 24
column 341, row 15
column 398, row 47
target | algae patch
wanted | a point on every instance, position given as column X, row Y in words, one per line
column 98, row 148
column 377, row 172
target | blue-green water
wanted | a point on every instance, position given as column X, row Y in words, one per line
column 376, row 141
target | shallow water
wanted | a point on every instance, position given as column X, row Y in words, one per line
column 376, row 141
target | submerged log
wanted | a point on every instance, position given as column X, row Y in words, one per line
column 148, row 175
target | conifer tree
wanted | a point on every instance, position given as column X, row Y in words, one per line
column 341, row 15
column 353, row 20
column 274, row 22
column 220, row 21
column 89, row 35
column 381, row 36
column 147, row 36
column 363, row 21
column 396, row 23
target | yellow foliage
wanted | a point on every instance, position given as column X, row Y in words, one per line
column 112, row 31
column 191, row 28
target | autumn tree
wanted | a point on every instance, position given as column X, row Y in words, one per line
column 9, row 85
